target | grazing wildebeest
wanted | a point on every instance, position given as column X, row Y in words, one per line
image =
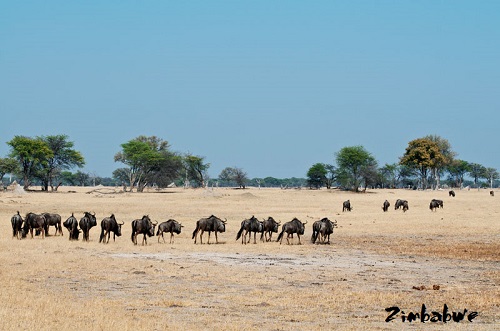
column 435, row 204
column 72, row 225
column 86, row 223
column 492, row 193
column 53, row 220
column 401, row 204
column 108, row 225
column 386, row 205
column 169, row 226
column 346, row 205
column 17, row 225
column 270, row 226
column 294, row 226
column 34, row 222
column 250, row 225
column 451, row 193
column 143, row 226
column 323, row 229
column 212, row 223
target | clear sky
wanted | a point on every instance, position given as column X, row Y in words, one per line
column 268, row 86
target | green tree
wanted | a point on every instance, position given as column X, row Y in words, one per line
column 476, row 171
column 457, row 170
column 316, row 175
column 331, row 175
column 423, row 155
column 441, row 163
column 7, row 166
column 31, row 154
column 351, row 162
column 490, row 174
column 196, row 169
column 390, row 173
column 226, row 176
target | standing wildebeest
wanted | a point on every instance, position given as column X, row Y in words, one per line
column 386, row 205
column 401, row 203
column 323, row 228
column 212, row 223
column 17, row 225
column 451, row 193
column 169, row 226
column 250, row 225
column 435, row 204
column 294, row 226
column 72, row 225
column 346, row 205
column 270, row 226
column 55, row 220
column 86, row 223
column 492, row 193
column 34, row 222
column 108, row 225
column 143, row 226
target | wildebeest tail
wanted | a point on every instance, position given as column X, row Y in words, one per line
column 102, row 235
column 280, row 236
column 314, row 236
column 239, row 233
column 195, row 230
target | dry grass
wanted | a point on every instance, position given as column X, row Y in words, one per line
column 376, row 260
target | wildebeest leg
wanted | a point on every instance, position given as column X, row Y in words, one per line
column 298, row 236
column 171, row 238
column 254, row 237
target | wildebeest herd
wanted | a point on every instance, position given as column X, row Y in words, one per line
column 322, row 229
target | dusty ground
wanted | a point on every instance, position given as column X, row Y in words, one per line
column 376, row 260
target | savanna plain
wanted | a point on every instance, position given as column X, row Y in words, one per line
column 375, row 260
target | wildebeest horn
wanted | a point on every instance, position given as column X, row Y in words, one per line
column 155, row 223
column 225, row 220
column 305, row 223
column 121, row 223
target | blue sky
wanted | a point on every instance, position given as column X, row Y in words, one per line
column 268, row 86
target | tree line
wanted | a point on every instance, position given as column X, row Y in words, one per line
column 150, row 162
column 424, row 163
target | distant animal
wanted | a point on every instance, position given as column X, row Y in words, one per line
column 492, row 193
column 87, row 222
column 34, row 222
column 322, row 230
column 210, row 224
column 53, row 220
column 346, row 205
column 451, row 193
column 72, row 225
column 108, row 225
column 294, row 226
column 401, row 204
column 143, row 226
column 171, row 226
column 435, row 204
column 250, row 225
column 386, row 205
column 270, row 226
column 17, row 225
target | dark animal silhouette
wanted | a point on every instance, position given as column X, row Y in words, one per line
column 108, row 225
column 401, row 204
column 17, row 225
column 171, row 226
column 492, row 193
column 294, row 226
column 34, row 222
column 451, row 193
column 72, row 225
column 346, row 205
column 250, row 225
column 435, row 204
column 143, row 226
column 53, row 220
column 386, row 205
column 87, row 222
column 270, row 226
column 322, row 230
column 210, row 224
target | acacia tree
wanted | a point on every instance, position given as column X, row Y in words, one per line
column 316, row 175
column 490, row 174
column 30, row 153
column 389, row 173
column 351, row 162
column 457, row 170
column 447, row 156
column 196, row 169
column 423, row 155
column 7, row 166
column 477, row 171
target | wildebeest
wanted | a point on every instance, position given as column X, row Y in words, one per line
column 210, row 224
column 492, row 193
column 269, row 226
column 17, row 225
column 323, row 229
column 143, row 226
column 171, row 226
column 401, row 204
column 72, row 225
column 451, row 193
column 386, row 205
column 294, row 226
column 53, row 220
column 250, row 225
column 108, row 225
column 34, row 222
column 86, row 223
column 435, row 204
column 346, row 205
